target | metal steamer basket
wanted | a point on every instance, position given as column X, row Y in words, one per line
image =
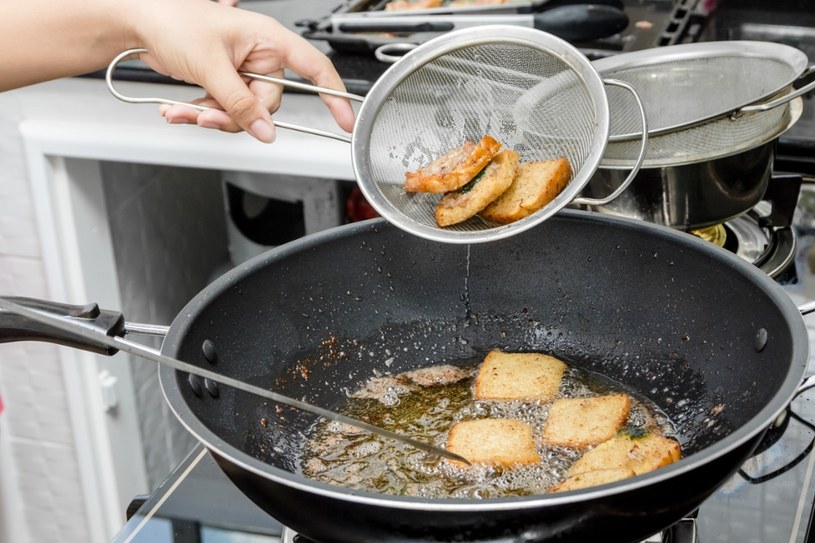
column 688, row 85
column 715, row 111
column 532, row 91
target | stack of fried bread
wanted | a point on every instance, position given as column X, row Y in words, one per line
column 593, row 426
column 480, row 178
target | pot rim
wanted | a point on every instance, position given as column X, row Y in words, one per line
column 791, row 116
column 742, row 435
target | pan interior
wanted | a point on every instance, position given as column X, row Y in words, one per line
column 655, row 312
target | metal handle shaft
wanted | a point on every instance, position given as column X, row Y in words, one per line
column 277, row 80
column 779, row 101
column 146, row 353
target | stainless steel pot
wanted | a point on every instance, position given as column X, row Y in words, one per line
column 690, row 196
column 692, row 190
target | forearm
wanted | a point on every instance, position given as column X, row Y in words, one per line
column 198, row 41
column 48, row 39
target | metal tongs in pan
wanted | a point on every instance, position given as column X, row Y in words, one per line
column 87, row 327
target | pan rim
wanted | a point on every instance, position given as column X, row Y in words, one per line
column 748, row 431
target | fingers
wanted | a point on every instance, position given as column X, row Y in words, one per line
column 244, row 108
column 268, row 94
column 261, row 46
column 307, row 61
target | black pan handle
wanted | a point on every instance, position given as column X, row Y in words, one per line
column 584, row 22
column 15, row 327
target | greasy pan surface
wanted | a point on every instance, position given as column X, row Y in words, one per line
column 670, row 316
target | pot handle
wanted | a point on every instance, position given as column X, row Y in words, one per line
column 758, row 479
column 280, row 81
column 637, row 165
column 778, row 101
column 809, row 382
column 14, row 327
column 385, row 53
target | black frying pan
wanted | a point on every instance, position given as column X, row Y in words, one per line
column 711, row 340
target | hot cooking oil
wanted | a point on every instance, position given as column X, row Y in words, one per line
column 346, row 456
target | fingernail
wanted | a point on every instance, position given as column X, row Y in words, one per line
column 162, row 109
column 262, row 130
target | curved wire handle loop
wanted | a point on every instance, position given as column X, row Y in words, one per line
column 640, row 158
column 389, row 52
column 280, row 81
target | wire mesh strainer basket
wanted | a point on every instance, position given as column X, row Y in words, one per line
column 535, row 93
column 687, row 85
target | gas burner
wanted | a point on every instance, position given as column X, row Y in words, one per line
column 771, row 249
column 683, row 531
column 764, row 235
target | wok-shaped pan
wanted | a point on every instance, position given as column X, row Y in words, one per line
column 711, row 340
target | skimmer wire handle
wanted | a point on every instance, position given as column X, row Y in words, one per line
column 640, row 158
column 280, row 81
column 779, row 101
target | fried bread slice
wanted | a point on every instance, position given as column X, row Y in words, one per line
column 535, row 185
column 593, row 478
column 518, row 376
column 640, row 454
column 454, row 169
column 458, row 206
column 499, row 442
column 579, row 423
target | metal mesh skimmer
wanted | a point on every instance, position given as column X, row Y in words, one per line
column 534, row 93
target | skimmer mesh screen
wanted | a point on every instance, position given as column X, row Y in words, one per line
column 528, row 99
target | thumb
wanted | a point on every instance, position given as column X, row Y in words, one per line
column 232, row 93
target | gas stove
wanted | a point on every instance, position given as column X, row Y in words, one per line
column 772, row 497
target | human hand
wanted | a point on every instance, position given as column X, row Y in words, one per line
column 212, row 47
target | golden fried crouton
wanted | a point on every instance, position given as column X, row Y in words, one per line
column 499, row 442
column 582, row 422
column 518, row 376
column 454, row 169
column 640, row 454
column 458, row 206
column 593, row 478
column 535, row 185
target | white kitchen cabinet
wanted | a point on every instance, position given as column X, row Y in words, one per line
column 85, row 461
